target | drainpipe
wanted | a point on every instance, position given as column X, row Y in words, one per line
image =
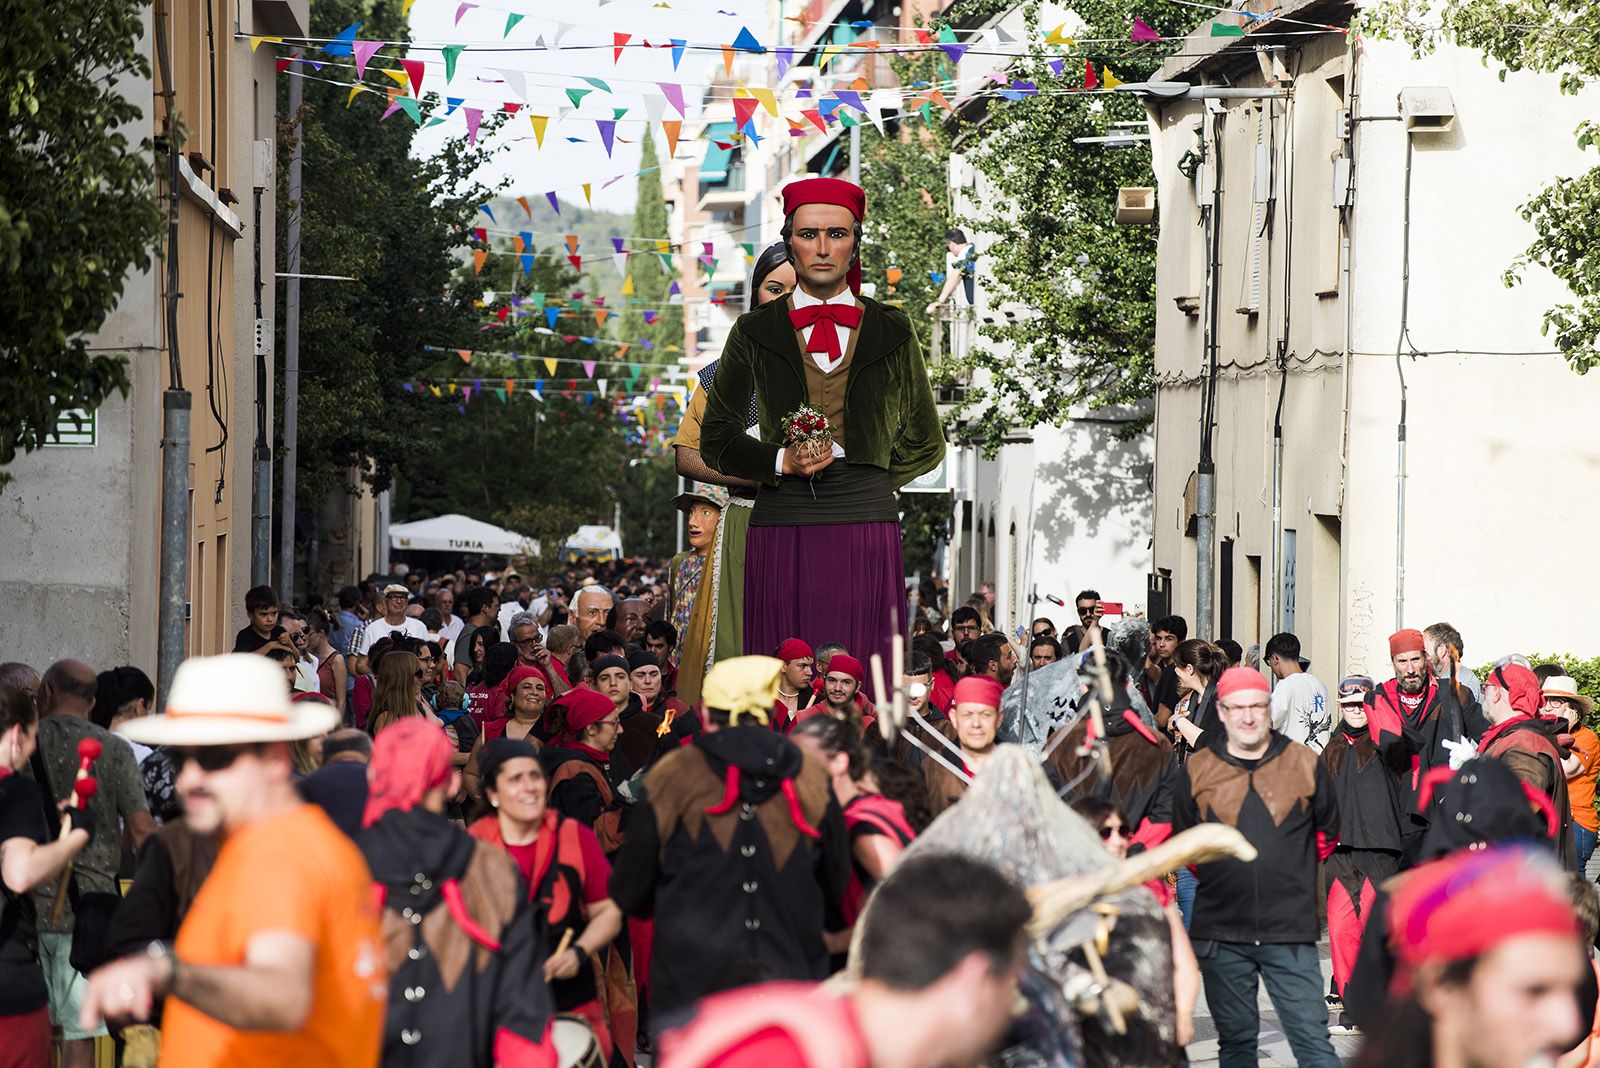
column 173, row 583
column 1206, row 469
column 291, row 355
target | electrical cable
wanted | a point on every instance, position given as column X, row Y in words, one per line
column 170, row 132
column 214, row 267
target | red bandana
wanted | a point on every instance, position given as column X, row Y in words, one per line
column 825, row 319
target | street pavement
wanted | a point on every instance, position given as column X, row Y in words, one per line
column 1274, row 1048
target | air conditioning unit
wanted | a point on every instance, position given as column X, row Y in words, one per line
column 1427, row 109
column 1136, row 206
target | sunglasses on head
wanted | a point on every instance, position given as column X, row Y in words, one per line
column 209, row 757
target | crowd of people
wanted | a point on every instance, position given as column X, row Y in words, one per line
column 468, row 819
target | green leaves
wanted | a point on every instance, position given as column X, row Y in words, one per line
column 1553, row 37
column 77, row 208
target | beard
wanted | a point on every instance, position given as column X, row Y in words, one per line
column 1411, row 685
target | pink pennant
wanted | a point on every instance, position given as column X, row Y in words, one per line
column 462, row 10
column 588, row 368
column 674, row 94
column 474, row 117
column 1142, row 31
column 364, row 51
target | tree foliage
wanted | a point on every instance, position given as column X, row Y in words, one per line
column 1559, row 37
column 77, row 207
column 1086, row 287
column 396, row 223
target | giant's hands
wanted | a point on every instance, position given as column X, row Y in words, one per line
column 794, row 465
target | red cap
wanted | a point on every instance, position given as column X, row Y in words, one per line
column 1467, row 903
column 794, row 649
column 1521, row 684
column 1405, row 641
column 978, row 690
column 409, row 757
column 835, row 191
column 1239, row 679
column 584, row 708
column 845, row 664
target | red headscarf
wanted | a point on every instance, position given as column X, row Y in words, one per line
column 1521, row 685
column 793, row 649
column 409, row 757
column 1467, row 903
column 584, row 708
column 522, row 671
column 834, row 191
column 978, row 690
column 1405, row 641
column 845, row 664
column 1237, row 679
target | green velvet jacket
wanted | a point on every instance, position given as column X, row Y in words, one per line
column 889, row 415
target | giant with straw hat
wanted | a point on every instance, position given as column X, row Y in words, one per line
column 234, row 699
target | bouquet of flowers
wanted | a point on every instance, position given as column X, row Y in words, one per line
column 806, row 430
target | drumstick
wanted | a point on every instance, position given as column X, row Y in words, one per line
column 83, row 788
column 566, row 940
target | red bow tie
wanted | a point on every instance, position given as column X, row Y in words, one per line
column 827, row 318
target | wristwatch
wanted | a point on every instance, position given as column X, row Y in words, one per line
column 166, row 960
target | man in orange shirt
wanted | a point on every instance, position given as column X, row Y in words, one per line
column 278, row 961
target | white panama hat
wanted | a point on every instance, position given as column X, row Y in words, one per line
column 1566, row 686
column 234, row 699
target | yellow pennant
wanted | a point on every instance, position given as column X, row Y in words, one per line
column 539, row 123
column 255, row 42
column 452, row 387
column 550, row 366
column 1109, row 80
column 399, row 76
column 627, row 286
column 354, row 89
column 586, row 200
column 405, row 7
column 435, row 391
column 769, row 100
column 1058, row 36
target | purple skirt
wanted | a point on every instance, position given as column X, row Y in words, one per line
column 841, row 582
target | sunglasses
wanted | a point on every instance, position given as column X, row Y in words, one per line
column 1112, row 829
column 209, row 757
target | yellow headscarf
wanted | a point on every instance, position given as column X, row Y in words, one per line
column 743, row 686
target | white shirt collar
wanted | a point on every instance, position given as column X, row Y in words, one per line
column 802, row 299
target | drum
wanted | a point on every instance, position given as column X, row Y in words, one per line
column 576, row 1046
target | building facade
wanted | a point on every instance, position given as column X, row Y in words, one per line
column 1394, row 440
column 79, row 568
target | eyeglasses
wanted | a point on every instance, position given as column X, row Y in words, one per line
column 209, row 757
column 1112, row 829
column 525, row 643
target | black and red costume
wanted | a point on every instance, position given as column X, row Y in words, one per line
column 1366, row 780
column 1142, row 767
column 738, row 846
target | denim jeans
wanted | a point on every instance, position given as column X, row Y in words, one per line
column 1186, row 888
column 1294, row 982
column 1584, row 839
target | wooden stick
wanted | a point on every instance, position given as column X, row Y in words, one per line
column 877, row 679
column 566, row 941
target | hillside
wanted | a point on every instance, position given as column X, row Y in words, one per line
column 595, row 229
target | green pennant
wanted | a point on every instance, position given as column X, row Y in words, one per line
column 577, row 95
column 432, row 122
column 749, row 247
column 618, row 113
column 501, row 394
column 1219, row 30
column 947, row 35
column 409, row 105
column 633, row 370
column 450, row 53
column 927, row 113
column 598, row 84
column 538, row 302
column 666, row 260
column 511, row 21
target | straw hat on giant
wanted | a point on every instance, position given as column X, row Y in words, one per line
column 233, row 699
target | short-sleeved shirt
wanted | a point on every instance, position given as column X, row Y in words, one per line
column 381, row 628
column 248, row 641
column 297, row 873
column 1580, row 788
column 22, row 986
column 120, row 795
column 1300, row 710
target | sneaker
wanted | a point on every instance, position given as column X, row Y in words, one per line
column 1343, row 1025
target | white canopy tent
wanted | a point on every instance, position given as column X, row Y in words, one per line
column 459, row 534
column 595, row 542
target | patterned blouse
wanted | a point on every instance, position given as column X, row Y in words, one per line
column 685, row 582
